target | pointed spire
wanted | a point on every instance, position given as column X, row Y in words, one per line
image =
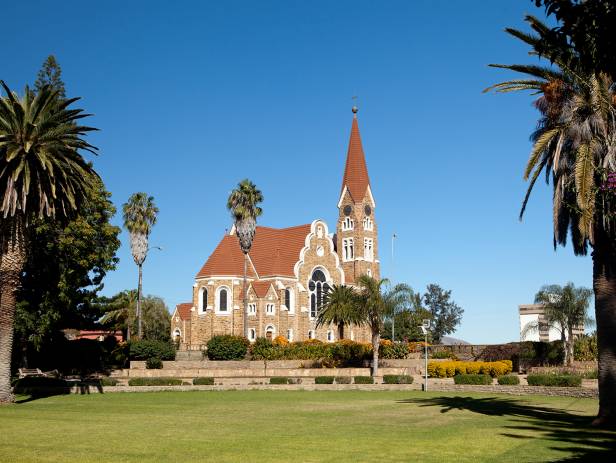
column 355, row 172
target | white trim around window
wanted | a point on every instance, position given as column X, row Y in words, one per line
column 226, row 301
column 270, row 309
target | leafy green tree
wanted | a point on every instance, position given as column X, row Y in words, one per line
column 118, row 311
column 340, row 308
column 140, row 215
column 575, row 146
column 565, row 310
column 50, row 75
column 445, row 314
column 42, row 174
column 243, row 202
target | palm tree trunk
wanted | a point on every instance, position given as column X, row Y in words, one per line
column 563, row 339
column 604, row 284
column 245, row 317
column 12, row 262
column 376, row 340
column 341, row 331
column 139, row 329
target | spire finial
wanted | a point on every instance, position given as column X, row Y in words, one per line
column 354, row 108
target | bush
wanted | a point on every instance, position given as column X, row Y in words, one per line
column 363, row 380
column 144, row 350
column 203, row 381
column 585, row 347
column 154, row 382
column 397, row 379
column 509, row 380
column 554, row 380
column 227, row 347
column 154, row 363
column 472, row 379
column 324, row 380
column 393, row 350
column 279, row 380
column 443, row 354
column 343, row 379
column 453, row 368
column 106, row 381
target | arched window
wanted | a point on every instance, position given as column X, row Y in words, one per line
column 318, row 291
column 252, row 334
column 177, row 335
column 347, row 249
column 290, row 335
column 223, row 300
column 330, row 336
column 202, row 300
column 311, row 334
column 270, row 332
column 347, row 224
column 289, row 300
column 368, row 224
column 222, row 297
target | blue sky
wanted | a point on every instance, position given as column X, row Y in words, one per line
column 191, row 97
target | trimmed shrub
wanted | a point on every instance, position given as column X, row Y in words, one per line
column 279, row 380
column 363, row 380
column 472, row 379
column 324, row 380
column 453, row 368
column 554, row 380
column 154, row 363
column 343, row 379
column 203, row 381
column 227, row 347
column 144, row 350
column 106, row 381
column 509, row 380
column 154, row 382
column 397, row 379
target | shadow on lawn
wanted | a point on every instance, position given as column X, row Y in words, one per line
column 34, row 388
column 547, row 423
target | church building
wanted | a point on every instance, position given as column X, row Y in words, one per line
column 290, row 270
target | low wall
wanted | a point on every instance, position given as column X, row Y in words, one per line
column 579, row 392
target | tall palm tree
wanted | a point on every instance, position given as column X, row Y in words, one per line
column 372, row 310
column 575, row 146
column 341, row 307
column 243, row 204
column 140, row 214
column 565, row 310
column 42, row 174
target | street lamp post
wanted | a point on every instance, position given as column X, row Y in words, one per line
column 425, row 326
column 393, row 318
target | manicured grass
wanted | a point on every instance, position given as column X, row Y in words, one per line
column 306, row 426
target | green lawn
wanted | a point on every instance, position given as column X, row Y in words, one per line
column 302, row 426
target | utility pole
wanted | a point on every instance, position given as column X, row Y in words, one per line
column 393, row 318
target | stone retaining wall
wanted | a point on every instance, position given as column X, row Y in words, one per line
column 579, row 392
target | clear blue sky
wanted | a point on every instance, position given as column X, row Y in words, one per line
column 192, row 97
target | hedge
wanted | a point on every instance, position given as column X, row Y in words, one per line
column 363, row 380
column 154, row 363
column 203, row 381
column 472, row 379
column 397, row 379
column 227, row 347
column 451, row 369
column 155, row 382
column 324, row 380
column 279, row 380
column 106, row 381
column 554, row 380
column 509, row 380
column 144, row 350
column 343, row 379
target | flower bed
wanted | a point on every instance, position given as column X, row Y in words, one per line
column 451, row 369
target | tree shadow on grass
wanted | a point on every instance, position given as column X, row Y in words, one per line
column 562, row 426
column 40, row 387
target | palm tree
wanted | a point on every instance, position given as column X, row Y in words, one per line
column 140, row 214
column 118, row 311
column 575, row 146
column 565, row 310
column 42, row 174
column 372, row 310
column 243, row 204
column 397, row 299
column 341, row 307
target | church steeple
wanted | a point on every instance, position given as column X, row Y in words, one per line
column 356, row 232
column 355, row 177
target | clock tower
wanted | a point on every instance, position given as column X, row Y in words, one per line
column 356, row 230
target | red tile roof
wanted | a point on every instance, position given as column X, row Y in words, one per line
column 261, row 288
column 184, row 310
column 274, row 252
column 355, row 171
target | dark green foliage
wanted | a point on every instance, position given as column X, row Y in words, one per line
column 397, row 379
column 472, row 379
column 154, row 382
column 50, row 74
column 585, row 348
column 508, row 380
column 443, row 354
column 204, row 381
column 554, row 380
column 279, row 380
column 143, row 350
column 533, row 353
column 363, row 380
column 106, row 381
column 324, row 380
column 348, row 353
column 397, row 350
column 227, row 347
column 343, row 379
column 264, row 349
column 446, row 315
column 154, row 363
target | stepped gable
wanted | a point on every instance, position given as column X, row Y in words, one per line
column 274, row 252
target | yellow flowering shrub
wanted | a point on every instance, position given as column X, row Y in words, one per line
column 451, row 368
column 280, row 341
